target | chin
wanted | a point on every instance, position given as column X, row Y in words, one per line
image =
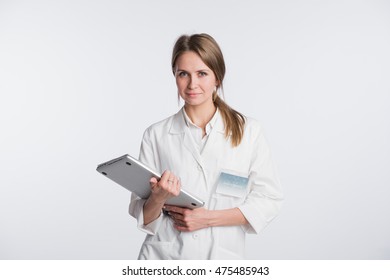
column 191, row 103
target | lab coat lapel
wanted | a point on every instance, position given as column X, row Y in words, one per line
column 215, row 145
column 189, row 143
column 179, row 127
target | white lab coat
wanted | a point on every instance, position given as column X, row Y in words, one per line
column 168, row 144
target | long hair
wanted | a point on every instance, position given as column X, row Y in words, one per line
column 210, row 53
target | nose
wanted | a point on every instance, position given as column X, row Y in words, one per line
column 192, row 83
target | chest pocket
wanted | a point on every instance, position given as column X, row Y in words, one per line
column 231, row 189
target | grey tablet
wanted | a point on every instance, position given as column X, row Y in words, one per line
column 134, row 176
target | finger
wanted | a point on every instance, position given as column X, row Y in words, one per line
column 154, row 186
column 177, row 187
column 175, row 216
column 179, row 222
column 153, row 181
column 181, row 228
column 179, row 182
column 169, row 208
column 165, row 176
column 175, row 209
column 172, row 182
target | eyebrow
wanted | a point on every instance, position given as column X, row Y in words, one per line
column 201, row 70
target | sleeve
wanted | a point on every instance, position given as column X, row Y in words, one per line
column 137, row 204
column 265, row 197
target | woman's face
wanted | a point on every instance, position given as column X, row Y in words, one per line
column 195, row 81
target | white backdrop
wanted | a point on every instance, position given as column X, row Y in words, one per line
column 81, row 80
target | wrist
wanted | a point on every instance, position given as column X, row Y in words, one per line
column 156, row 200
column 226, row 217
column 212, row 218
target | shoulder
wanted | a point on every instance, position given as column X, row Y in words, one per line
column 163, row 125
column 253, row 127
column 254, row 135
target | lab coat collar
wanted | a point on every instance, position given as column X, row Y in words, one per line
column 179, row 127
column 179, row 124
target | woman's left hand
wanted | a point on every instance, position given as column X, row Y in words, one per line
column 187, row 219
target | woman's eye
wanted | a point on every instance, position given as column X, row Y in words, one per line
column 182, row 74
column 202, row 74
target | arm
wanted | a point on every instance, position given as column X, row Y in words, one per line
column 147, row 212
column 167, row 187
column 265, row 198
column 190, row 220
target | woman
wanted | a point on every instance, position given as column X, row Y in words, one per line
column 217, row 154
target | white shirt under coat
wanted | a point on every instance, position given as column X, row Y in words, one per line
column 169, row 145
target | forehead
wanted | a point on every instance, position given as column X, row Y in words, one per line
column 190, row 60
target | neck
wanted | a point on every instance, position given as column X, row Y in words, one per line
column 200, row 115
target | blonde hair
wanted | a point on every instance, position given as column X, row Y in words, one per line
column 208, row 50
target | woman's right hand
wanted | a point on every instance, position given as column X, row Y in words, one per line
column 168, row 186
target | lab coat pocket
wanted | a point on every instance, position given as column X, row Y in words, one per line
column 155, row 250
column 231, row 243
column 232, row 183
column 231, row 189
column 159, row 246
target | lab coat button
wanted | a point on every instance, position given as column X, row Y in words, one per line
column 195, row 235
